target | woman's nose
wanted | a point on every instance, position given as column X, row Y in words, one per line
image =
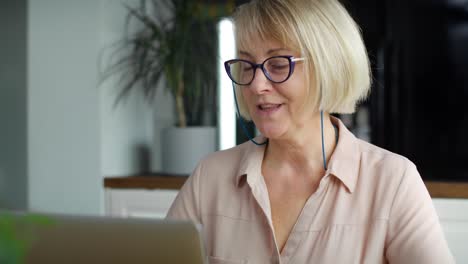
column 260, row 84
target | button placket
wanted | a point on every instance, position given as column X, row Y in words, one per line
column 304, row 221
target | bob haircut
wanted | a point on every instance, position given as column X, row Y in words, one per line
column 327, row 37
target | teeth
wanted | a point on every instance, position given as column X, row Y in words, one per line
column 268, row 106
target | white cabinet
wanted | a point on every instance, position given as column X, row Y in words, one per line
column 453, row 215
column 138, row 202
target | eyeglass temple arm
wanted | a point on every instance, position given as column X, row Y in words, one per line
column 297, row 59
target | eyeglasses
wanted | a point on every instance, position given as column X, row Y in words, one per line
column 277, row 69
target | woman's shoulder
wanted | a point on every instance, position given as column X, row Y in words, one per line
column 382, row 175
column 227, row 155
column 383, row 169
column 224, row 162
column 372, row 155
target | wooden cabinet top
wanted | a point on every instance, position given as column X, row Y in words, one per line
column 149, row 181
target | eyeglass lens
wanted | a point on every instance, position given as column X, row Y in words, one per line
column 276, row 69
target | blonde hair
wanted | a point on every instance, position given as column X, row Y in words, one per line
column 324, row 33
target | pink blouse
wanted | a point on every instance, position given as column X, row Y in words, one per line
column 370, row 207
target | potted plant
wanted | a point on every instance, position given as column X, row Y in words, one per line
column 176, row 46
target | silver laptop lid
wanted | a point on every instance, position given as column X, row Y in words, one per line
column 87, row 239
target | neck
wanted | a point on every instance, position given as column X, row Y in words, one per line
column 301, row 152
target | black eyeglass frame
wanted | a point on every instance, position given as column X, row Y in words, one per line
column 292, row 63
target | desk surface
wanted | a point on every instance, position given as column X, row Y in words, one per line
column 164, row 181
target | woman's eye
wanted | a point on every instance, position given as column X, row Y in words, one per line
column 279, row 67
column 248, row 68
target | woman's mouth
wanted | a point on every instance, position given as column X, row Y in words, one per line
column 268, row 109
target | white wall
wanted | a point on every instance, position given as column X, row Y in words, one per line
column 130, row 130
column 63, row 112
column 60, row 133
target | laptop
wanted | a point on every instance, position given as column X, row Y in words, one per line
column 93, row 239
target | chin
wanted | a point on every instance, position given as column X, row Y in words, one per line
column 272, row 131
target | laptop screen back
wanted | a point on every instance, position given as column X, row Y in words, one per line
column 79, row 239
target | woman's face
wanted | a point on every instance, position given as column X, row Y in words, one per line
column 279, row 110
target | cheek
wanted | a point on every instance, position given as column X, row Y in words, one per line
column 247, row 96
column 245, row 102
column 299, row 98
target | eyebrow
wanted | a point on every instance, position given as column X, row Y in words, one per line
column 268, row 52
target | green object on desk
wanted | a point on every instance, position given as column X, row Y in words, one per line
column 17, row 234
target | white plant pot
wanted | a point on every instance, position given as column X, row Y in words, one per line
column 182, row 148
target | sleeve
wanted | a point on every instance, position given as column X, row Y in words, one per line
column 414, row 232
column 186, row 205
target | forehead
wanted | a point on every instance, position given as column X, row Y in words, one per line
column 258, row 48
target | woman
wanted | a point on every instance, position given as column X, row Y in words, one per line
column 307, row 190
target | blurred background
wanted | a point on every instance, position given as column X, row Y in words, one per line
column 62, row 133
column 417, row 107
